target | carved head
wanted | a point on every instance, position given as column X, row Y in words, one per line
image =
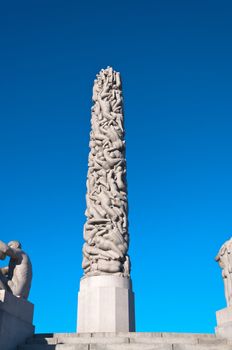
column 15, row 244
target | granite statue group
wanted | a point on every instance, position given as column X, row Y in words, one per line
column 16, row 277
column 106, row 236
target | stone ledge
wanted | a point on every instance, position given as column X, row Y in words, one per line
column 130, row 347
column 127, row 334
column 127, row 341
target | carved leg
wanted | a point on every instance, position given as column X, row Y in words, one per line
column 3, row 282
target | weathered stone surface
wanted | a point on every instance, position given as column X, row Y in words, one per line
column 16, row 277
column 92, row 340
column 187, row 335
column 167, row 340
column 201, row 347
column 105, row 304
column 73, row 335
column 126, row 334
column 13, row 331
column 72, row 347
column 54, row 347
column 15, row 320
column 106, row 229
column 36, row 347
column 224, row 258
column 214, row 341
column 17, row 307
column 130, row 347
column 224, row 323
column 46, row 341
column 224, row 331
column 130, row 341
column 224, row 316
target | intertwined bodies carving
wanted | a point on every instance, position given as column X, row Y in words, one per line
column 106, row 229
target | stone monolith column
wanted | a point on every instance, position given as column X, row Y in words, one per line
column 105, row 299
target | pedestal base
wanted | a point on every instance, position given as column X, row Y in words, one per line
column 224, row 323
column 105, row 304
column 16, row 316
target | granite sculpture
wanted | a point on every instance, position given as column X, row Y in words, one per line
column 224, row 258
column 224, row 316
column 106, row 229
column 106, row 298
column 16, row 277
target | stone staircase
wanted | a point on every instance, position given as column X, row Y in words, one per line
column 126, row 341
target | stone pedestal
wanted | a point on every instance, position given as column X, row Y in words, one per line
column 224, row 323
column 105, row 304
column 16, row 315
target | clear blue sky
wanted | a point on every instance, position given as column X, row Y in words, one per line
column 175, row 60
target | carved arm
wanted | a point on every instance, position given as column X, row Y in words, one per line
column 7, row 250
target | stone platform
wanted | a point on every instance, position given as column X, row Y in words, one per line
column 105, row 303
column 16, row 315
column 126, row 341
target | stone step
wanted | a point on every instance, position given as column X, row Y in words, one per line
column 109, row 338
column 125, row 341
column 129, row 346
column 126, row 334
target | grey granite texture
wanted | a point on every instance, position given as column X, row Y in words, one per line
column 126, row 341
column 106, row 228
column 16, row 316
column 16, row 277
column 106, row 303
column 224, row 258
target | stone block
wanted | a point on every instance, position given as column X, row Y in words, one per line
column 16, row 316
column 224, row 316
column 92, row 340
column 163, row 341
column 180, row 335
column 73, row 335
column 105, row 304
column 133, row 335
column 44, row 335
column 206, row 336
column 72, row 347
column 53, row 347
column 130, row 347
column 19, row 307
column 127, row 341
column 46, row 341
column 224, row 331
column 213, row 341
column 224, row 323
column 36, row 347
column 201, row 347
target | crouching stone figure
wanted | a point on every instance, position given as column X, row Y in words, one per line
column 16, row 277
column 224, row 258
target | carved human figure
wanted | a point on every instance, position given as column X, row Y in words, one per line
column 224, row 258
column 17, row 276
column 106, row 229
